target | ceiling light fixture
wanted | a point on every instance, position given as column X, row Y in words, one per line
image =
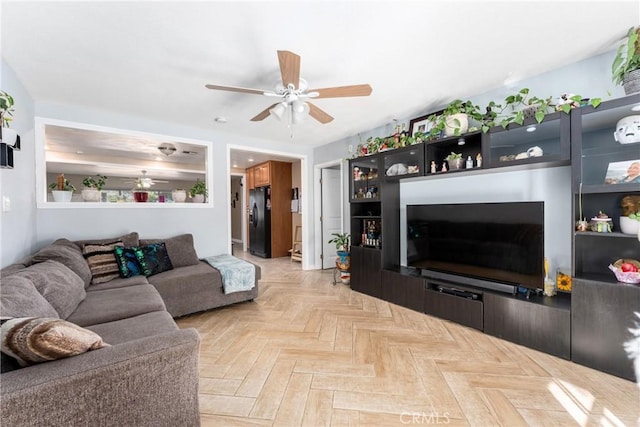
column 461, row 141
column 531, row 128
column 167, row 148
column 635, row 107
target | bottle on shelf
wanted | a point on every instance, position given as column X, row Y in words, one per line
column 469, row 163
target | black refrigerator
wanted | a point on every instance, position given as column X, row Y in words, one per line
column 260, row 222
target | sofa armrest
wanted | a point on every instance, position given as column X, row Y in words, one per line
column 147, row 382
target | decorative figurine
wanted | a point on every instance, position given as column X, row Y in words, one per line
column 479, row 160
column 444, row 167
column 434, row 167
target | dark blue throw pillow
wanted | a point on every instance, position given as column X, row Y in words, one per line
column 154, row 259
column 127, row 259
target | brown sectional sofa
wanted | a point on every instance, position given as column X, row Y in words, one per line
column 148, row 376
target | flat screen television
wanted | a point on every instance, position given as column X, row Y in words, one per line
column 500, row 243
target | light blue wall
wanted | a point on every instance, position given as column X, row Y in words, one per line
column 27, row 228
column 589, row 78
column 18, row 226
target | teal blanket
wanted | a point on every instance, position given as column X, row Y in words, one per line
column 237, row 275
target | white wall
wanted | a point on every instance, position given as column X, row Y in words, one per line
column 26, row 229
column 18, row 226
column 551, row 186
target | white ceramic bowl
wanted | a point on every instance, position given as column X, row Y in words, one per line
column 629, row 226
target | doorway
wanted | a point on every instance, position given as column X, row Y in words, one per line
column 238, row 238
column 330, row 210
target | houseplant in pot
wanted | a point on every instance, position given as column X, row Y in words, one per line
column 9, row 136
column 92, row 187
column 454, row 160
column 140, row 193
column 62, row 189
column 198, row 192
column 343, row 261
column 625, row 68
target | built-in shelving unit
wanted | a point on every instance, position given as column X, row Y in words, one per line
column 582, row 139
column 603, row 308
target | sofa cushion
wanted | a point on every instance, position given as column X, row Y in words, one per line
column 133, row 328
column 154, row 259
column 180, row 249
column 102, row 261
column 60, row 286
column 194, row 288
column 71, row 256
column 20, row 298
column 116, row 304
column 127, row 259
column 36, row 340
column 120, row 282
column 129, row 240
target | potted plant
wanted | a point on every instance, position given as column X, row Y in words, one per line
column 92, row 187
column 140, row 193
column 343, row 261
column 198, row 192
column 62, row 189
column 7, row 135
column 625, row 69
column 454, row 160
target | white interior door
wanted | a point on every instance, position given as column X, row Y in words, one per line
column 331, row 218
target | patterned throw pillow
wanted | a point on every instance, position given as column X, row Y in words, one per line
column 154, row 259
column 32, row 340
column 127, row 259
column 102, row 261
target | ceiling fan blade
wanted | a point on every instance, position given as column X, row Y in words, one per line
column 264, row 113
column 237, row 89
column 318, row 114
column 289, row 68
column 343, row 91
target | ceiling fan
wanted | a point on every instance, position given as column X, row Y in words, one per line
column 144, row 180
column 294, row 93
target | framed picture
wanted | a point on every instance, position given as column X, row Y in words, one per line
column 624, row 172
column 422, row 124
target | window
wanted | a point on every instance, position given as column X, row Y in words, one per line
column 131, row 161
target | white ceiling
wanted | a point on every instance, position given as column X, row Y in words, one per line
column 153, row 59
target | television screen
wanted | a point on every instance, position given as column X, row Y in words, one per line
column 498, row 242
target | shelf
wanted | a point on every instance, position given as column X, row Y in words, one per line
column 609, row 279
column 607, row 150
column 610, row 188
column 615, row 234
column 365, row 200
column 366, row 217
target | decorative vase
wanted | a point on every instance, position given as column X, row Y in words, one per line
column 343, row 262
column 90, row 194
column 198, row 198
column 631, row 82
column 140, row 196
column 62, row 196
column 345, row 277
column 179, row 196
column 459, row 122
column 9, row 136
column 455, row 164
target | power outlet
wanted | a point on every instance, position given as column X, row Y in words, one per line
column 6, row 204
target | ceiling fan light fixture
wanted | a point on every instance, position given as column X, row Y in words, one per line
column 299, row 111
column 167, row 148
column 279, row 110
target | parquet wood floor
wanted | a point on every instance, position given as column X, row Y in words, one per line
column 308, row 353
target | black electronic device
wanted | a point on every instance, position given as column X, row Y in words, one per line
column 492, row 245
